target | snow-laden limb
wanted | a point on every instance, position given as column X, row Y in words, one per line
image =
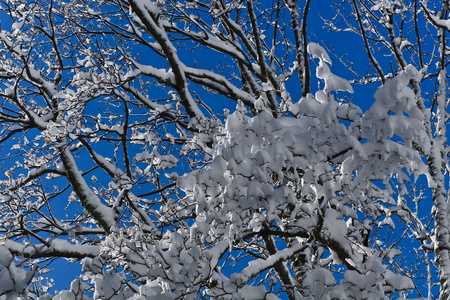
column 319, row 52
column 104, row 215
column 258, row 266
column 161, row 74
column 249, row 46
column 148, row 14
column 332, row 82
column 173, row 267
column 14, row 280
column 55, row 247
column 76, row 292
column 219, row 83
column 437, row 21
column 210, row 40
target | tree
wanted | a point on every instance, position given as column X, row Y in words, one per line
column 117, row 151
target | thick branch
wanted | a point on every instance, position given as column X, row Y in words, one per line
column 104, row 215
column 58, row 248
column 148, row 13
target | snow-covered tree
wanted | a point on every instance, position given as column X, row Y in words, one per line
column 162, row 145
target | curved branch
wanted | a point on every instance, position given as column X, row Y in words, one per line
column 104, row 215
column 149, row 16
